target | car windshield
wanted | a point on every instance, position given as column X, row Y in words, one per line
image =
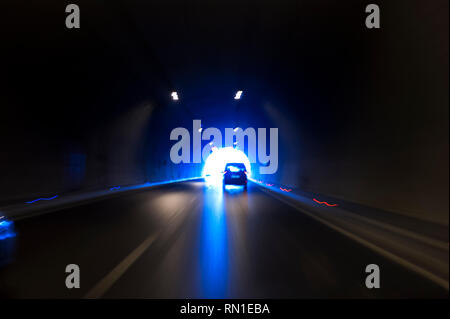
column 235, row 167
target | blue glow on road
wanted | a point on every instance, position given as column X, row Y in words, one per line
column 214, row 246
column 43, row 198
column 113, row 188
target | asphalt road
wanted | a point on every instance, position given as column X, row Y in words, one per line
column 190, row 240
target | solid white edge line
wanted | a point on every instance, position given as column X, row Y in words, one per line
column 436, row 279
column 39, row 211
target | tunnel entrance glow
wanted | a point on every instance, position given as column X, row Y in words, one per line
column 216, row 161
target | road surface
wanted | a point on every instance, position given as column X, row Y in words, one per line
column 192, row 240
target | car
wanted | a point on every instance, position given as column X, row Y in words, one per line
column 235, row 174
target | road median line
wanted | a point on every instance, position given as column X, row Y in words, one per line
column 114, row 275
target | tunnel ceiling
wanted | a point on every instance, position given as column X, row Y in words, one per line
column 143, row 50
column 294, row 57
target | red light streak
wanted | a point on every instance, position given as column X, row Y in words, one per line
column 331, row 205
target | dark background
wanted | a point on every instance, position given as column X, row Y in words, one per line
column 362, row 114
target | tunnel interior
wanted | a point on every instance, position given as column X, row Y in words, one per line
column 357, row 118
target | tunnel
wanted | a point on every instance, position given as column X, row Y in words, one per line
column 345, row 130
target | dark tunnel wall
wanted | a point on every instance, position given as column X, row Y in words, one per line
column 78, row 108
column 75, row 112
column 380, row 135
column 362, row 114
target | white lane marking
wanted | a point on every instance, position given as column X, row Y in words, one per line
column 430, row 241
column 110, row 279
column 101, row 287
column 440, row 281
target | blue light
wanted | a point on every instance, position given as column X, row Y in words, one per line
column 213, row 255
column 6, row 229
column 113, row 188
column 43, row 198
column 233, row 189
column 7, row 241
